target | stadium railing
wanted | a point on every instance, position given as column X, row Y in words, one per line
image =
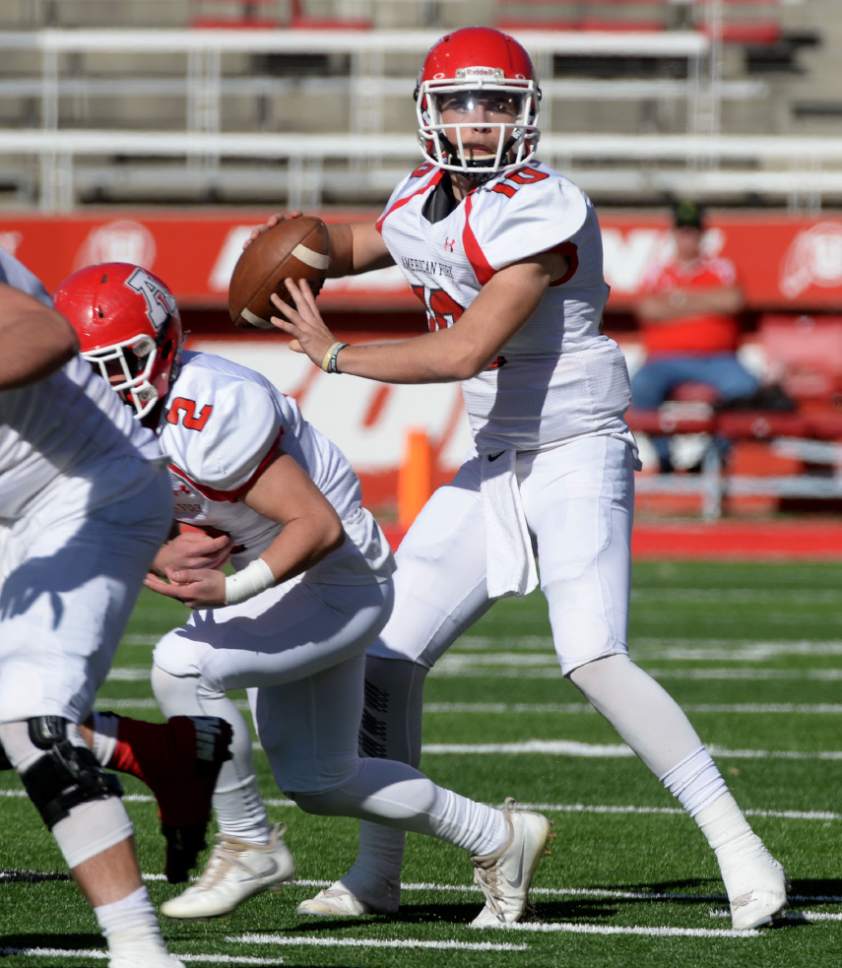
column 804, row 357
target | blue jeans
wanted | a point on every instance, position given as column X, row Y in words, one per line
column 659, row 376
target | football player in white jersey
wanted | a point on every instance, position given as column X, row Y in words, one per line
column 85, row 505
column 505, row 255
column 312, row 590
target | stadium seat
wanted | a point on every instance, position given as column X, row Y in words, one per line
column 807, row 352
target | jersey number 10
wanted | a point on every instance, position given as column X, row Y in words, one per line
column 441, row 308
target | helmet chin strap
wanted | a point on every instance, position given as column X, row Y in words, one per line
column 478, row 177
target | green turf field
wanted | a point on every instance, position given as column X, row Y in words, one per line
column 753, row 652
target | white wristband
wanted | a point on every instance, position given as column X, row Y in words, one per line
column 255, row 577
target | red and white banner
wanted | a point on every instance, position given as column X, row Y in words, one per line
column 784, row 263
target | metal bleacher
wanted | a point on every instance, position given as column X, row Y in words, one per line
column 239, row 100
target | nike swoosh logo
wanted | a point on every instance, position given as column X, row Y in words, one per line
column 495, row 456
column 516, row 883
column 269, row 871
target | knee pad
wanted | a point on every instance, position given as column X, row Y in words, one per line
column 65, row 775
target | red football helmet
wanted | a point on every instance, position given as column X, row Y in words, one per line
column 129, row 328
column 468, row 66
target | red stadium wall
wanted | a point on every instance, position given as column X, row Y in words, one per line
column 785, row 263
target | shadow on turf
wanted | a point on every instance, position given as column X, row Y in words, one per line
column 698, row 890
column 32, row 939
column 13, row 876
column 824, row 891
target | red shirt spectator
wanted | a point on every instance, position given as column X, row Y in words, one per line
column 704, row 331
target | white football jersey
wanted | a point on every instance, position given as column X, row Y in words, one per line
column 558, row 377
column 222, row 425
column 68, row 426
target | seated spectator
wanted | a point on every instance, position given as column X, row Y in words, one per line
column 690, row 328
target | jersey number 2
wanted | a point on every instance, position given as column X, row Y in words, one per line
column 184, row 409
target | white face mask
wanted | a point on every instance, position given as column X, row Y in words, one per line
column 500, row 112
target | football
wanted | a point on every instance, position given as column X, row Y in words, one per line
column 296, row 248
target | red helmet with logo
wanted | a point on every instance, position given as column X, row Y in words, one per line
column 129, row 328
column 469, row 65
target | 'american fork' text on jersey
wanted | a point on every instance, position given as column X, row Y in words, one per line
column 558, row 377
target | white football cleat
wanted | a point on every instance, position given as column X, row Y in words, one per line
column 504, row 877
column 756, row 887
column 236, row 870
column 338, row 901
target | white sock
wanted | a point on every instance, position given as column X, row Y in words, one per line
column 239, row 808
column 399, row 796
column 695, row 782
column 104, row 728
column 130, row 922
column 240, row 811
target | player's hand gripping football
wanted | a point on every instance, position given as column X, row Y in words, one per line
column 192, row 549
column 196, row 587
column 303, row 321
column 272, row 220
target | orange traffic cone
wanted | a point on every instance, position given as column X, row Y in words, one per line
column 415, row 478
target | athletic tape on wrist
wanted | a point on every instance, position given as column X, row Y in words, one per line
column 254, row 578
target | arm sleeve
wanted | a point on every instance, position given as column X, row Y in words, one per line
column 538, row 217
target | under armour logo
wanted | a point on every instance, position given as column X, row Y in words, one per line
column 449, row 245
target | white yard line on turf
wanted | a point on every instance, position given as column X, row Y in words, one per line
column 772, row 596
column 561, row 708
column 469, row 667
column 508, row 666
column 129, row 674
column 562, row 747
column 473, row 643
column 98, row 955
column 659, row 931
column 581, row 708
column 583, row 808
column 537, row 660
column 328, row 942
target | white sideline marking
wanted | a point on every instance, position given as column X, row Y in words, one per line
column 326, row 942
column 574, row 927
column 98, row 955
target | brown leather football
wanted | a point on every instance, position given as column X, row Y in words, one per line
column 296, row 248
